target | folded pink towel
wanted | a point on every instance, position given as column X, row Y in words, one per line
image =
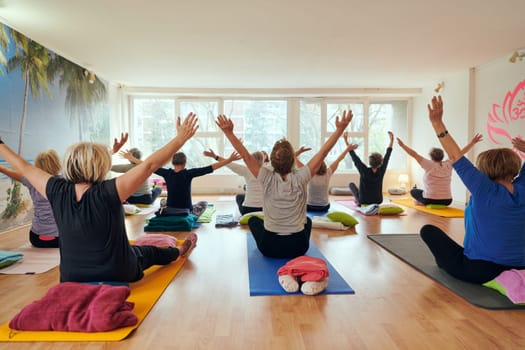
column 78, row 307
column 157, row 240
column 513, row 281
column 306, row 267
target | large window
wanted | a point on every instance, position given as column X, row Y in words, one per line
column 260, row 122
column 369, row 128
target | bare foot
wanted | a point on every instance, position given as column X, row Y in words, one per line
column 189, row 243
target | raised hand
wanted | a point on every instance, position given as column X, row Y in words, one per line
column 345, row 120
column 477, row 138
column 224, row 123
column 301, row 150
column 435, row 112
column 519, row 144
column 187, row 128
column 125, row 154
column 117, row 144
column 235, row 156
column 210, row 153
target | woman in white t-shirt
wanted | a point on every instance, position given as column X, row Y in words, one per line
column 285, row 230
column 438, row 172
column 252, row 200
column 318, row 199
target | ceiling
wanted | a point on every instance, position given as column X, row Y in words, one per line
column 273, row 44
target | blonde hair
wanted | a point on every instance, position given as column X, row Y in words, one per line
column 49, row 161
column 86, row 162
column 499, row 164
column 282, row 157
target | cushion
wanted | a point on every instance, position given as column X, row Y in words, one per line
column 389, row 209
column 244, row 219
column 342, row 217
column 436, row 206
column 130, row 209
column 340, row 191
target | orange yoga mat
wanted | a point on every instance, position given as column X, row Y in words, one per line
column 144, row 294
column 447, row 212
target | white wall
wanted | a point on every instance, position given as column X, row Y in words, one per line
column 498, row 93
column 455, row 96
column 469, row 97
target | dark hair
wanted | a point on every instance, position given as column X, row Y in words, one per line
column 179, row 158
column 135, row 152
column 436, row 154
column 282, row 157
column 322, row 169
column 375, row 160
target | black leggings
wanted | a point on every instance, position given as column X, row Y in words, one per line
column 274, row 245
column 150, row 255
column 242, row 209
column 145, row 198
column 318, row 208
column 450, row 257
column 40, row 243
column 417, row 194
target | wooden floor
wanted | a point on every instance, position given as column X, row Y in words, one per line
column 207, row 305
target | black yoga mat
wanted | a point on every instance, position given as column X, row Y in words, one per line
column 411, row 249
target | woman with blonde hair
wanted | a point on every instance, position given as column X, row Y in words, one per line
column 94, row 246
column 285, row 230
column 43, row 232
column 494, row 217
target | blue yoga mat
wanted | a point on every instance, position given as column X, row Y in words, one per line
column 262, row 272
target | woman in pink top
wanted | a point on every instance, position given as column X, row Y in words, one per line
column 438, row 172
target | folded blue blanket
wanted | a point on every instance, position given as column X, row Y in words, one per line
column 8, row 258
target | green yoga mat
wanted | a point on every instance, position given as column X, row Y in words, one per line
column 411, row 249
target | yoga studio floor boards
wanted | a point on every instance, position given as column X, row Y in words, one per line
column 207, row 305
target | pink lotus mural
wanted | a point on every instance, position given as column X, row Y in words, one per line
column 508, row 120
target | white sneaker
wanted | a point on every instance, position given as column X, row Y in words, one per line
column 314, row 288
column 289, row 283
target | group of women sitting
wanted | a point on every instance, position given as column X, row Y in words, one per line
column 88, row 212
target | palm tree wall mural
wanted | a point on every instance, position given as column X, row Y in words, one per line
column 43, row 76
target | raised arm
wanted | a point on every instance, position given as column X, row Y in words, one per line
column 419, row 158
column 477, row 138
column 435, row 114
column 127, row 155
column 340, row 125
column 225, row 161
column 300, row 151
column 391, row 136
column 12, row 173
column 128, row 182
column 336, row 162
column 519, row 144
column 37, row 177
column 226, row 125
column 117, row 144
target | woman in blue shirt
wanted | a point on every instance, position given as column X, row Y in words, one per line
column 494, row 217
